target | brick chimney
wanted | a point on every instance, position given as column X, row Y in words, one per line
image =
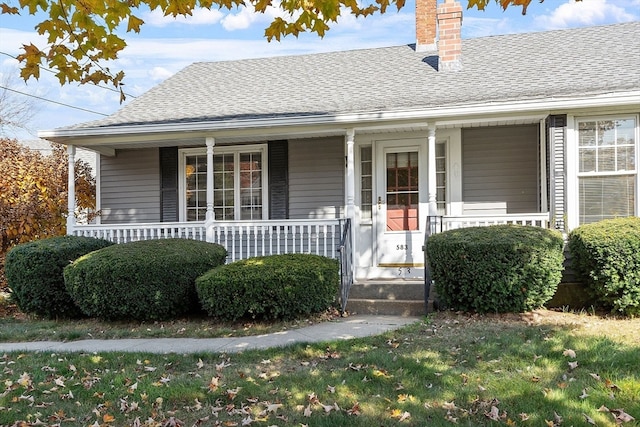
column 449, row 40
column 426, row 25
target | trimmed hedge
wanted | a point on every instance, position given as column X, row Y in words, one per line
column 501, row 268
column 270, row 287
column 606, row 256
column 34, row 274
column 145, row 280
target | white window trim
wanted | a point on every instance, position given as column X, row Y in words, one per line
column 573, row 161
column 217, row 150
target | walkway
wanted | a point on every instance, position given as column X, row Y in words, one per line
column 341, row 329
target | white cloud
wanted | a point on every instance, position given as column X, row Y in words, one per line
column 156, row 18
column 584, row 13
column 159, row 73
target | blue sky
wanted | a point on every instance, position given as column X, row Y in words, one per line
column 166, row 45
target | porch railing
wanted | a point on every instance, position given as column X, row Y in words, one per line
column 345, row 250
column 124, row 233
column 271, row 237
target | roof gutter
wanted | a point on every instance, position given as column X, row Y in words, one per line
column 631, row 98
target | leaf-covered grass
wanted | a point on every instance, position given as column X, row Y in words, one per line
column 19, row 328
column 450, row 369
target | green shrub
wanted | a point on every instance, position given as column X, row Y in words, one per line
column 501, row 268
column 145, row 280
column 606, row 256
column 278, row 286
column 34, row 273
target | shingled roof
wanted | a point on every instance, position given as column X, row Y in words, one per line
column 518, row 67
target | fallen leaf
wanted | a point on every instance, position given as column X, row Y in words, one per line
column 200, row 364
column 596, row 376
column 557, row 419
column 524, row 417
column 569, row 353
column 584, row 394
column 588, row 419
column 493, row 414
column 307, row 411
column 621, row 416
column 609, row 384
column 355, row 409
column 573, row 365
column 449, row 406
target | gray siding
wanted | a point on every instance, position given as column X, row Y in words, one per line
column 316, row 178
column 130, row 186
column 500, row 170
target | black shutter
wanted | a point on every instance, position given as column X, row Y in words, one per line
column 278, row 180
column 557, row 132
column 168, row 184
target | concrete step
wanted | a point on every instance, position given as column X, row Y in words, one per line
column 404, row 308
column 389, row 290
column 388, row 297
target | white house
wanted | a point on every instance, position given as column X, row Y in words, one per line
column 281, row 153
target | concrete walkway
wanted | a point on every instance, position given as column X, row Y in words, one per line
column 341, row 329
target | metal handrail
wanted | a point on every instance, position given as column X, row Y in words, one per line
column 434, row 226
column 345, row 257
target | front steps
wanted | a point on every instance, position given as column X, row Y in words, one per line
column 388, row 297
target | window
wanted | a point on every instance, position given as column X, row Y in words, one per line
column 607, row 150
column 238, row 183
column 366, row 183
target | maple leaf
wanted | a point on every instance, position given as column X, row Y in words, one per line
column 621, row 416
column 493, row 414
column 449, row 406
column 307, row 411
column 331, row 389
column 273, row 407
column 584, row 394
column 355, row 409
column 523, row 416
column 213, row 384
column 232, row 393
column 569, row 353
column 572, row 365
column 25, row 380
column 588, row 419
column 609, row 384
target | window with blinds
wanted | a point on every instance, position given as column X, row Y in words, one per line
column 607, row 171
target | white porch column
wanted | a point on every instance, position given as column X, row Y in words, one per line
column 431, row 170
column 71, row 189
column 351, row 176
column 209, row 216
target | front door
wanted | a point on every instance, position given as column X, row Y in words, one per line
column 399, row 208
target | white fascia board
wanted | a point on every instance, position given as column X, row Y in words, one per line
column 359, row 119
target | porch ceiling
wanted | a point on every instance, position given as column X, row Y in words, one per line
column 107, row 144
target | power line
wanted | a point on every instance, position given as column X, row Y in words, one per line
column 95, row 84
column 52, row 101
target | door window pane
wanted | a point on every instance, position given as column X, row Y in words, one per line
column 402, row 191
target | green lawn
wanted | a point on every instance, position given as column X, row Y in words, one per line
column 538, row 370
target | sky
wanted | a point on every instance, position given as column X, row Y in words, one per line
column 166, row 45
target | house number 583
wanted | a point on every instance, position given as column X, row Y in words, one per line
column 402, row 247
